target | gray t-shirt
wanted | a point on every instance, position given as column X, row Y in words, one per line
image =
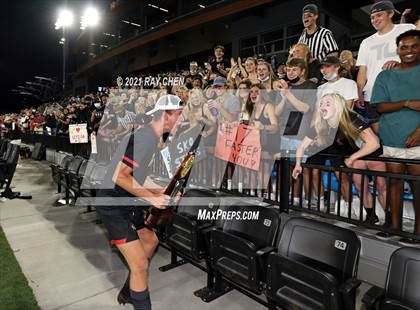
column 292, row 122
column 136, row 151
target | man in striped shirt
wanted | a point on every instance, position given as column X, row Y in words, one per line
column 126, row 119
column 320, row 40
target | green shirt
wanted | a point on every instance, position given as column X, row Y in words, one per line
column 392, row 86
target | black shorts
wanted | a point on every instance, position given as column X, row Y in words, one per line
column 122, row 223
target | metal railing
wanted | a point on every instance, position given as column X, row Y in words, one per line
column 59, row 143
column 324, row 190
column 330, row 202
column 332, row 208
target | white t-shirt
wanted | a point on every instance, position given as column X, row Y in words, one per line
column 376, row 50
column 344, row 87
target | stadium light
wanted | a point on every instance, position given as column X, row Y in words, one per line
column 90, row 18
column 65, row 19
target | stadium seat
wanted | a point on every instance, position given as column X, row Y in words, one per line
column 92, row 178
column 91, row 181
column 3, row 147
column 7, row 171
column 72, row 169
column 186, row 237
column 402, row 283
column 7, row 167
column 314, row 267
column 38, row 152
column 239, row 251
column 76, row 178
column 7, row 152
column 56, row 171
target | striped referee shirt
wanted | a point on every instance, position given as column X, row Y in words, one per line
column 129, row 118
column 321, row 42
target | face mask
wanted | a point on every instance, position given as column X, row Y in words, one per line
column 332, row 77
column 281, row 75
column 264, row 79
column 295, row 80
column 97, row 105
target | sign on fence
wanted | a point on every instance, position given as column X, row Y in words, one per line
column 238, row 144
column 78, row 133
column 174, row 154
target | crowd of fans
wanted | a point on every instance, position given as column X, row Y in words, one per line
column 376, row 97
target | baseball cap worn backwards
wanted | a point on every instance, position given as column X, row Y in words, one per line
column 313, row 8
column 330, row 60
column 165, row 103
column 383, row 6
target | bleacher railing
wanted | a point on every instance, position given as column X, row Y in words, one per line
column 59, row 143
column 290, row 194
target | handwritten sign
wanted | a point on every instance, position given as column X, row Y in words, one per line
column 180, row 146
column 78, row 133
column 94, row 148
column 239, row 145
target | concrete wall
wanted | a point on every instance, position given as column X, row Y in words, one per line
column 180, row 45
column 277, row 16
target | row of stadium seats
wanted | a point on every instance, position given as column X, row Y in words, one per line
column 78, row 177
column 305, row 265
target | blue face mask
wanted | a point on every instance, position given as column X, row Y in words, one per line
column 332, row 77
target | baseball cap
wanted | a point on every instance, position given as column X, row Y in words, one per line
column 383, row 6
column 166, row 102
column 313, row 8
column 330, row 60
column 219, row 81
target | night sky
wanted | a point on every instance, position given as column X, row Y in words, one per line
column 30, row 45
